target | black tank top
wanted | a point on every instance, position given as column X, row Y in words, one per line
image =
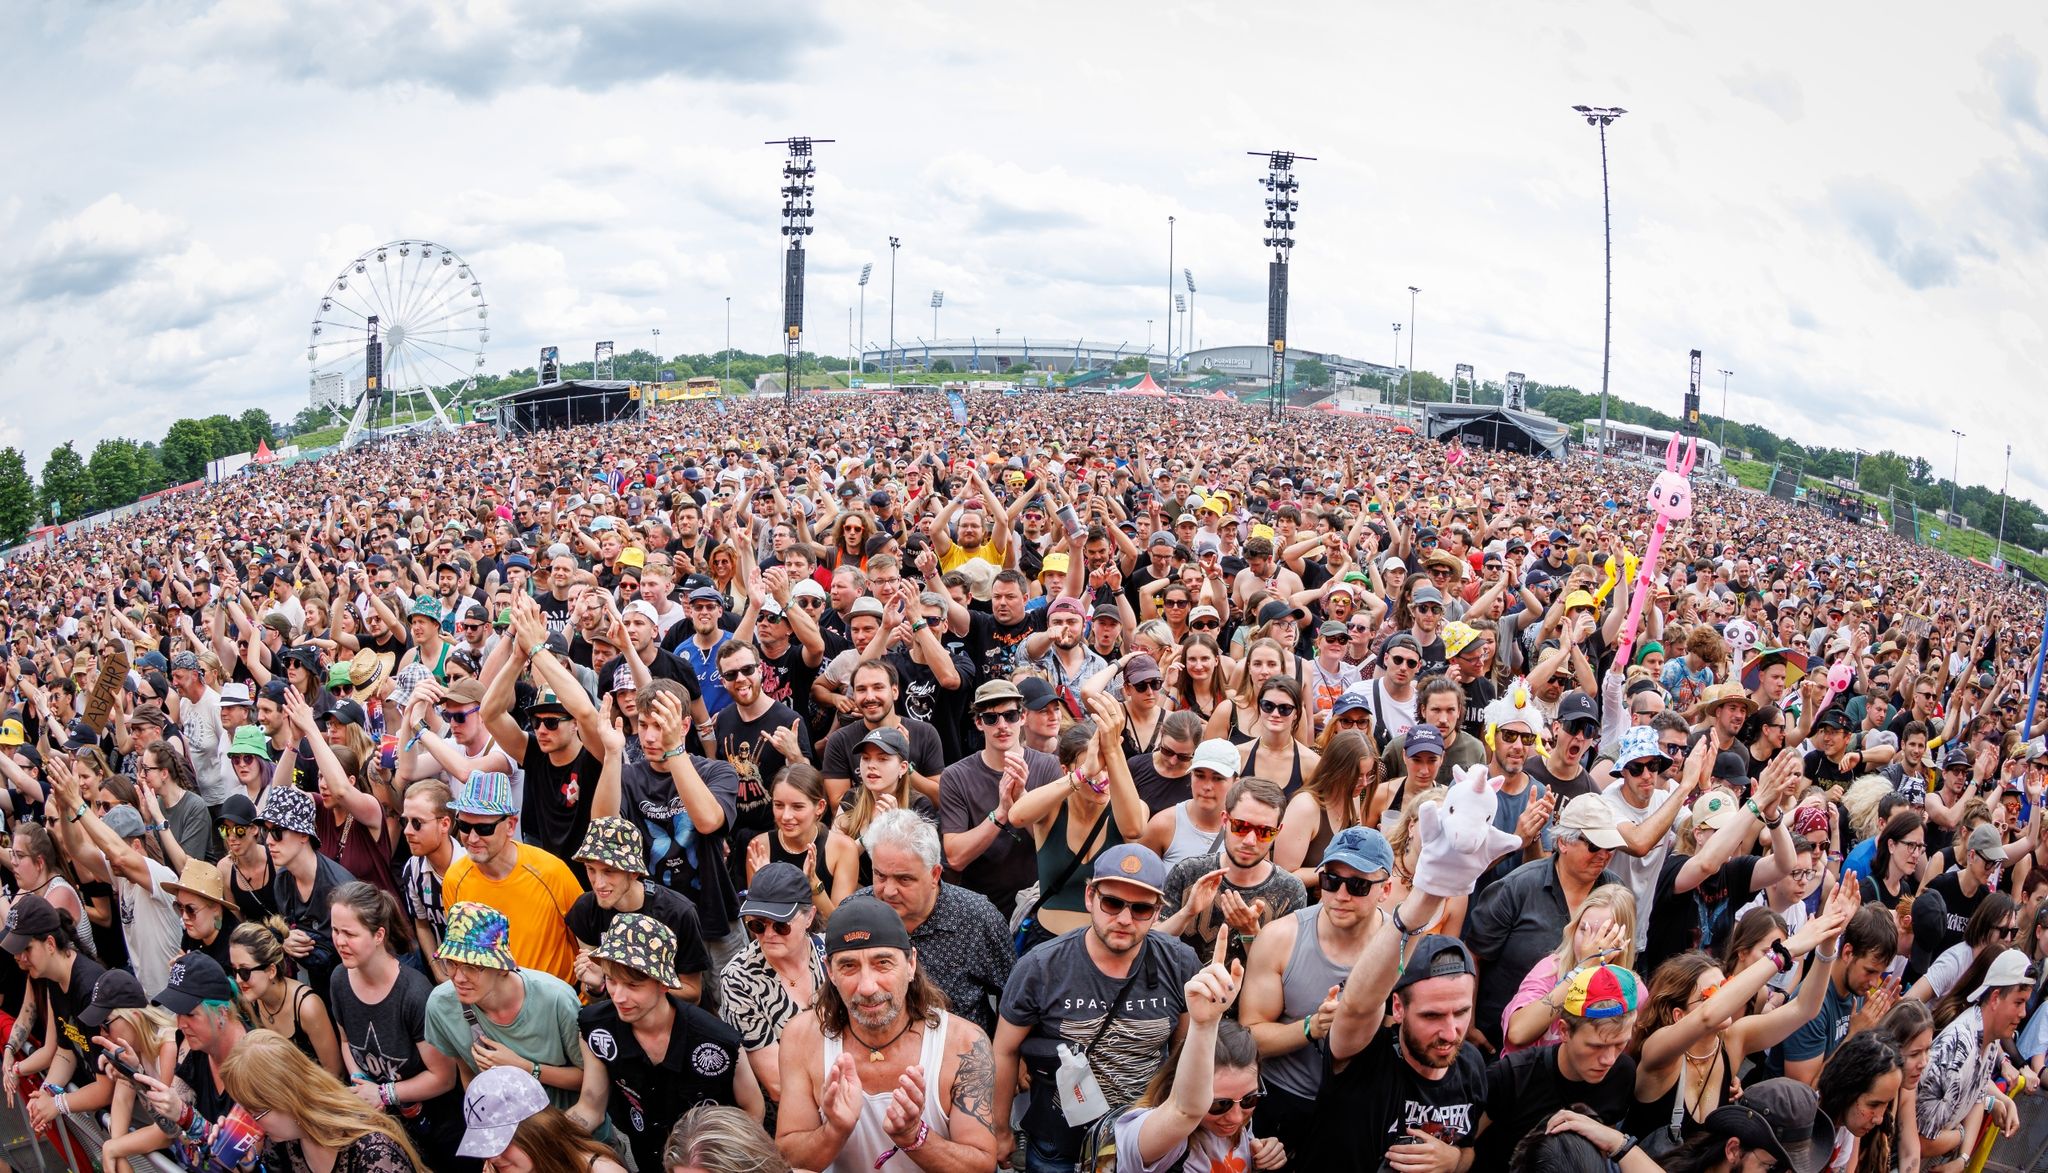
column 796, row 858
column 254, row 906
column 1251, row 767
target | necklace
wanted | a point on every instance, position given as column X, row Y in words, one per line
column 1711, row 1054
column 875, row 1053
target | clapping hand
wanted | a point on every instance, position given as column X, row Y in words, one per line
column 1244, row 919
column 906, row 1107
column 841, row 1101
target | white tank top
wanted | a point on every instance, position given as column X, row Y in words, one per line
column 1188, row 840
column 868, row 1141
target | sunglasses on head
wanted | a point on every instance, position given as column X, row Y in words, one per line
column 1276, row 708
column 1116, row 906
column 1259, row 831
column 1356, row 885
column 761, row 926
column 465, row 828
column 989, row 719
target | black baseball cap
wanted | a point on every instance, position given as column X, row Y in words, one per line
column 30, row 919
column 1795, row 1130
column 1436, row 956
column 1731, row 765
column 1037, row 693
column 195, row 979
column 117, row 989
column 863, row 922
column 238, row 811
column 778, row 890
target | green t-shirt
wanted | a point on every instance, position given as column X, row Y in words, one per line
column 545, row 1031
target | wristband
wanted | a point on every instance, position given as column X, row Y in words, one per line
column 997, row 823
column 536, row 1073
column 1771, row 824
column 924, row 1130
column 1628, row 1145
column 536, row 649
column 186, row 1117
column 1305, row 1032
column 79, row 813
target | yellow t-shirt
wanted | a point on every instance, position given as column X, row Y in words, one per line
column 535, row 898
column 956, row 554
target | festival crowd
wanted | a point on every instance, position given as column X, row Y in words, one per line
column 1091, row 784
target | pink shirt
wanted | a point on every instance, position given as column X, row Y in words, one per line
column 1542, row 979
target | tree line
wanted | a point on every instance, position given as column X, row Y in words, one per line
column 119, row 470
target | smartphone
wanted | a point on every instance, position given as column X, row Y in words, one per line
column 128, row 1070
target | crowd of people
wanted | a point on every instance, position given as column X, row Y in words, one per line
column 1097, row 785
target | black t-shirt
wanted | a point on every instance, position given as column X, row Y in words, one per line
column 67, row 1002
column 994, row 646
column 944, row 709
column 1478, row 695
column 1565, row 789
column 210, row 1101
column 1822, row 769
column 555, row 611
column 1674, row 918
column 1158, row 792
column 1524, row 1088
column 313, row 914
column 587, row 921
column 1941, row 915
column 1377, row 1097
column 842, row 749
column 1435, row 660
column 647, row 1097
column 679, row 856
column 745, row 746
column 554, row 811
column 788, row 678
column 218, row 950
column 383, row 1039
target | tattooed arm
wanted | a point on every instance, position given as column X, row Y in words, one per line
column 970, row 1106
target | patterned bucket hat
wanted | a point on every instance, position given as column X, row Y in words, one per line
column 497, row 1102
column 487, row 792
column 615, row 843
column 479, row 935
column 287, row 807
column 640, row 943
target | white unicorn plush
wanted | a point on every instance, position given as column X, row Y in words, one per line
column 1459, row 840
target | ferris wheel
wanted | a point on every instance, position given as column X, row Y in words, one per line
column 399, row 331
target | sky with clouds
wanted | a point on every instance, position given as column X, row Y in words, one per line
column 1846, row 205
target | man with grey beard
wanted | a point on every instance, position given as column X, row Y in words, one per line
column 880, row 1023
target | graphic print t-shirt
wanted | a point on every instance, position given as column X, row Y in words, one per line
column 1060, row 996
column 1378, row 1097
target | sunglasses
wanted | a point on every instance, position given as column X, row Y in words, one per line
column 989, row 720
column 244, row 973
column 1177, row 602
column 1343, row 638
column 1515, row 736
column 761, row 926
column 1642, row 766
column 550, row 723
column 465, row 828
column 414, row 823
column 1583, row 729
column 1174, row 755
column 184, row 909
column 1116, row 906
column 1206, row 625
column 1356, row 885
column 230, row 831
column 1404, row 662
column 1258, row 831
column 1250, row 1101
column 458, row 716
column 1426, row 609
column 1276, row 708
column 1144, row 685
column 1674, row 749
column 739, row 673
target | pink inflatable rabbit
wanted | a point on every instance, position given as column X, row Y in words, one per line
column 1671, row 497
column 1459, row 840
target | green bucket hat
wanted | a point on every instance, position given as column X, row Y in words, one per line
column 250, row 741
column 424, row 605
column 338, row 675
column 640, row 943
column 478, row 935
column 615, row 843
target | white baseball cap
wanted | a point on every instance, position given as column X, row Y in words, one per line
column 2009, row 968
column 1216, row 754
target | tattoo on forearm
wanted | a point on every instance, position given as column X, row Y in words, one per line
column 974, row 1084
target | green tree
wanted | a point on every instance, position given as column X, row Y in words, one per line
column 1882, row 472
column 116, row 470
column 256, row 425
column 1310, row 372
column 17, row 497
column 186, row 449
column 149, row 468
column 228, row 437
column 67, row 487
column 942, row 366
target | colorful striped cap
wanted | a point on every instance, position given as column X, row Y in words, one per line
column 487, row 792
column 1604, row 991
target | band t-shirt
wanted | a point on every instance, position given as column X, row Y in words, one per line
column 554, row 811
column 679, row 856
column 67, row 1002
column 648, row 1097
column 1371, row 1103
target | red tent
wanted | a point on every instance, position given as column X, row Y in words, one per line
column 1221, row 397
column 263, row 453
column 1145, row 387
